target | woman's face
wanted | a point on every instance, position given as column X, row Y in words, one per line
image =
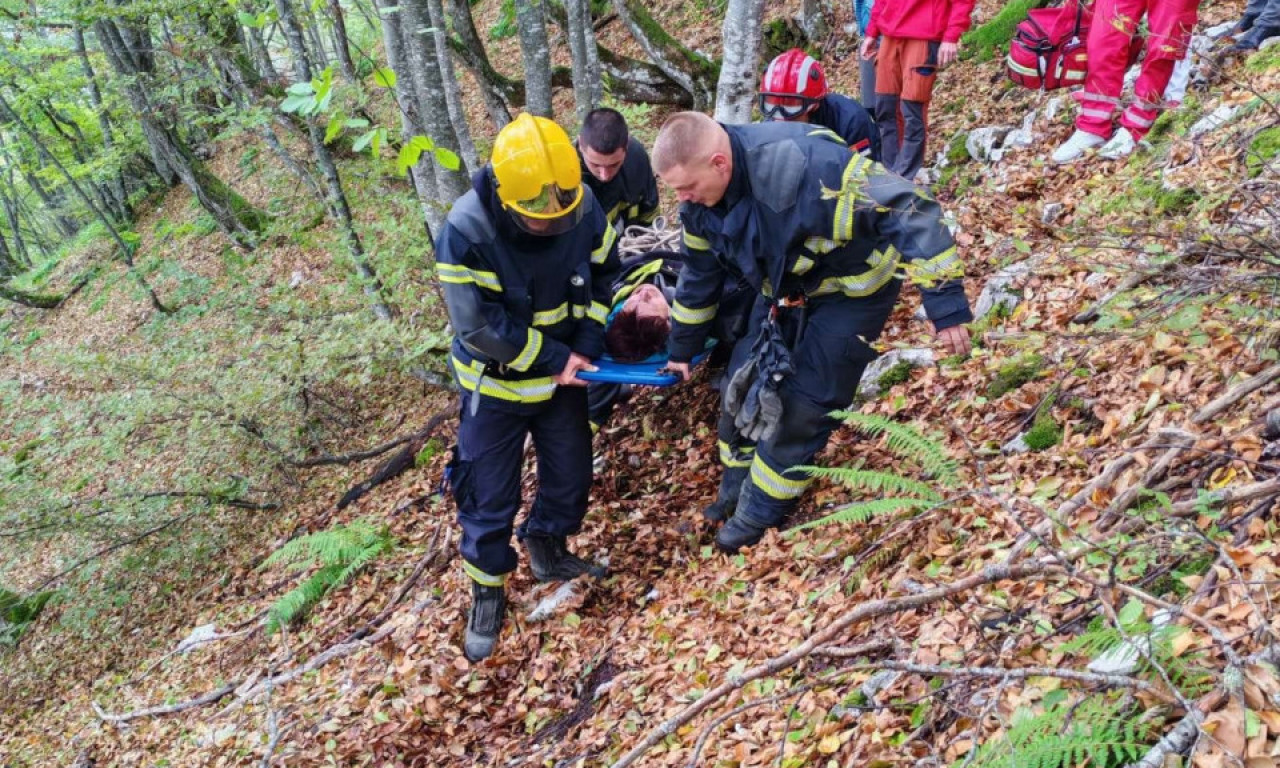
column 648, row 301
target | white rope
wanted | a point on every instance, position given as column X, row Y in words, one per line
column 637, row 240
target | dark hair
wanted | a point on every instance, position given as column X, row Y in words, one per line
column 631, row 338
column 604, row 131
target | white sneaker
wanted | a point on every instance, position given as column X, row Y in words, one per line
column 1120, row 145
column 1074, row 148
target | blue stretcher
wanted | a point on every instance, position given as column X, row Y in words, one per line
column 651, row 372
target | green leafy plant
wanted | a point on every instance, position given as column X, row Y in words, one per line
column 913, row 446
column 339, row 553
column 1095, row 732
column 17, row 613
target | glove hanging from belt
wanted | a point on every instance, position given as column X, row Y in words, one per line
column 752, row 395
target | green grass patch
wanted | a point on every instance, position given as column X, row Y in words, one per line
column 1045, row 432
column 988, row 41
column 1013, row 375
column 1262, row 150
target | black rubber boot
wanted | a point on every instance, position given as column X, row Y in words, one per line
column 736, row 534
column 551, row 560
column 727, row 499
column 488, row 605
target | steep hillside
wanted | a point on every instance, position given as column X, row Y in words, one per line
column 1072, row 598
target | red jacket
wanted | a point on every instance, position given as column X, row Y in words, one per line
column 944, row 20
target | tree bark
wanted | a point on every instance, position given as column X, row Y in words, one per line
column 813, row 21
column 587, row 90
column 421, row 174
column 690, row 70
column 536, row 55
column 471, row 51
column 452, row 91
column 116, row 186
column 739, row 70
column 433, row 109
column 15, row 222
column 340, row 41
column 239, row 220
column 337, row 202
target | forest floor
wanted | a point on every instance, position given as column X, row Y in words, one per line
column 1170, row 246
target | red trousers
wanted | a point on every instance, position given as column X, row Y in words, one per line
column 1115, row 22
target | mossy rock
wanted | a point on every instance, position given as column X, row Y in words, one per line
column 1045, row 432
column 1013, row 375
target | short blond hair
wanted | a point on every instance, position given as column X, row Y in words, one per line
column 685, row 138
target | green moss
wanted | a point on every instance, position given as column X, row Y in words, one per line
column 1045, row 432
column 987, row 41
column 1013, row 375
column 432, row 449
column 957, row 152
column 1264, row 61
column 1148, row 194
column 895, row 375
column 780, row 35
column 1264, row 147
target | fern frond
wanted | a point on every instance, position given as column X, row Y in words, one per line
column 906, row 441
column 875, row 482
column 863, row 511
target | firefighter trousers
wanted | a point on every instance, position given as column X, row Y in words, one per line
column 485, row 475
column 830, row 350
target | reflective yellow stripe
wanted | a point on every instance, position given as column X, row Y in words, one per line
column 601, row 254
column 647, row 218
column 944, row 266
column 774, row 484
column 865, row 283
column 460, row 275
column 532, row 346
column 482, row 578
column 803, row 265
column 613, row 213
column 598, row 312
column 847, row 202
column 552, row 316
column 695, row 242
column 821, row 245
column 731, row 459
column 826, row 133
column 636, row 278
column 537, row 390
column 682, row 314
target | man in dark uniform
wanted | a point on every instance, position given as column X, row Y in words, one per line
column 617, row 169
column 526, row 259
column 794, row 88
column 822, row 234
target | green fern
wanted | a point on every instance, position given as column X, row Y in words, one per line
column 907, row 493
column 1191, row 678
column 862, row 511
column 339, row 553
column 1094, row 732
column 876, row 482
column 907, row 442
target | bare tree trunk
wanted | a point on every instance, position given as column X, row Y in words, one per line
column 257, row 46
column 471, row 50
column 587, row 90
column 813, row 21
column 15, row 221
column 337, row 202
column 690, row 70
column 119, row 198
column 433, row 109
column 239, row 220
column 340, row 40
column 125, row 249
column 739, row 71
column 421, row 175
column 311, row 28
column 452, row 91
column 536, row 54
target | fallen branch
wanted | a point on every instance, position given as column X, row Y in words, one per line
column 137, row 714
column 1183, row 734
column 352, row 458
column 1237, row 393
column 864, row 611
column 1000, row 673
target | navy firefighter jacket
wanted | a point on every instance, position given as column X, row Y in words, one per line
column 800, row 207
column 520, row 303
column 631, row 196
column 851, row 121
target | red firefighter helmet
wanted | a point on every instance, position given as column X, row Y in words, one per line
column 792, row 85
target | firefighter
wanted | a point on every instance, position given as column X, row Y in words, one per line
column 526, row 258
column 1115, row 22
column 617, row 169
column 794, row 88
column 821, row 233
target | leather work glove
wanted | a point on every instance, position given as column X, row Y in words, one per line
column 745, row 419
column 735, row 392
column 770, row 418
